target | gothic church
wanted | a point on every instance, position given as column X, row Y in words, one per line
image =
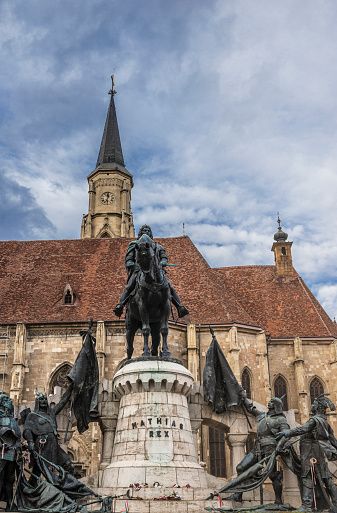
column 273, row 331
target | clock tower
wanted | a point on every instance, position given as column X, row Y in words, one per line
column 110, row 185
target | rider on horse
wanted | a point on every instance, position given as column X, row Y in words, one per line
column 133, row 269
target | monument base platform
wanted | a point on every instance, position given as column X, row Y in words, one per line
column 172, row 500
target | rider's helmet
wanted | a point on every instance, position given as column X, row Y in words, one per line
column 41, row 402
column 145, row 229
column 6, row 405
column 276, row 404
column 321, row 404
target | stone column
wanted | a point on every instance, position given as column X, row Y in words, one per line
column 192, row 353
column 124, row 197
column 261, row 353
column 108, row 427
column 195, row 426
column 124, row 231
column 132, row 227
column 290, row 487
column 100, row 347
column 109, row 408
column 333, row 354
column 234, row 351
column 18, row 368
column 88, row 227
column 237, row 444
column 301, row 381
column 91, row 197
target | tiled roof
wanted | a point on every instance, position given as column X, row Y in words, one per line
column 33, row 276
column 284, row 307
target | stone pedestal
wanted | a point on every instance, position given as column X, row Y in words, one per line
column 153, row 440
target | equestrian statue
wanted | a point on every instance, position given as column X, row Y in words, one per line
column 148, row 294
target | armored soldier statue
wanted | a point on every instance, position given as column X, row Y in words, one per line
column 10, row 437
column 40, row 431
column 133, row 269
column 317, row 442
column 269, row 424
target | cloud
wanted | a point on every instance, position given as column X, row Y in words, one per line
column 327, row 295
column 227, row 114
column 21, row 217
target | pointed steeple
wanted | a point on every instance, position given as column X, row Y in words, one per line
column 111, row 148
column 110, row 184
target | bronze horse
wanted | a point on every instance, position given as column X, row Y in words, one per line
column 150, row 304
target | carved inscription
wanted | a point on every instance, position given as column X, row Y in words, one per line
column 158, row 426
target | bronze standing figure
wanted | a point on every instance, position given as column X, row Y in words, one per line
column 10, row 442
column 40, row 431
column 317, row 442
column 269, row 425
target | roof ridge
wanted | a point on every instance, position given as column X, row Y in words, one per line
column 314, row 303
column 253, row 266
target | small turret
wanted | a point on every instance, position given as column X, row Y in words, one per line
column 282, row 251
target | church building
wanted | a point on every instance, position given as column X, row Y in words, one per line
column 276, row 336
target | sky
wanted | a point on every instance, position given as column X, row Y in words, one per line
column 227, row 113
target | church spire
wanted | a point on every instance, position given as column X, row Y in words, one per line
column 110, row 184
column 111, row 148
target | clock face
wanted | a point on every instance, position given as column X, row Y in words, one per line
column 107, row 198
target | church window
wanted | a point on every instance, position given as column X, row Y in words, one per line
column 283, row 250
column 280, row 390
column 68, row 298
column 316, row 388
column 217, row 451
column 68, row 295
column 59, row 378
column 247, row 382
column 105, row 235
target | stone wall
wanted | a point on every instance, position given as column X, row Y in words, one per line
column 30, row 355
column 299, row 361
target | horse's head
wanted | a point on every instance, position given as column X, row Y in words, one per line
column 145, row 252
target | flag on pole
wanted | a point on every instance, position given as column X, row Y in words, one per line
column 84, row 377
column 221, row 388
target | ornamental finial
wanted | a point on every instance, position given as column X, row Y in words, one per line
column 112, row 90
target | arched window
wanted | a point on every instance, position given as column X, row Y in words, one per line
column 217, row 452
column 68, row 298
column 59, row 378
column 280, row 390
column 105, row 235
column 316, row 388
column 246, row 382
column 68, row 295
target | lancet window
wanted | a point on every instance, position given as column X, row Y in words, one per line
column 280, row 390
column 246, row 382
column 316, row 388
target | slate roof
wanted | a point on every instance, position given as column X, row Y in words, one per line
column 111, row 147
column 284, row 307
column 33, row 276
